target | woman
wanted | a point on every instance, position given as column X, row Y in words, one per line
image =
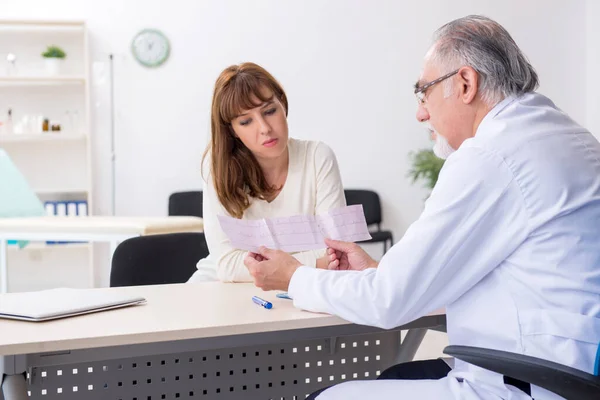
column 253, row 170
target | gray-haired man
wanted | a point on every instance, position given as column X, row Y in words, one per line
column 508, row 241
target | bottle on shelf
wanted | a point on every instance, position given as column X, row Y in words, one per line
column 55, row 126
column 38, row 124
column 11, row 70
column 8, row 125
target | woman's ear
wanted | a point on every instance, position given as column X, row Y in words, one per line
column 232, row 131
column 283, row 101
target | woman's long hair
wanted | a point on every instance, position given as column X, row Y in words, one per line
column 235, row 171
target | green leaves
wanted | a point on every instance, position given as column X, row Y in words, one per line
column 54, row 52
column 425, row 166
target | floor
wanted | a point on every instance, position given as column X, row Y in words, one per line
column 432, row 346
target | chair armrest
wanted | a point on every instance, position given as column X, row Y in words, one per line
column 565, row 381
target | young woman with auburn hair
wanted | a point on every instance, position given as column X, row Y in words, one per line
column 252, row 170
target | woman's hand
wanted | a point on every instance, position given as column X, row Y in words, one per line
column 271, row 269
column 325, row 261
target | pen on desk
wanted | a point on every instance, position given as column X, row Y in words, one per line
column 262, row 303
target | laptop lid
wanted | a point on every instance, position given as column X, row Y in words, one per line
column 62, row 302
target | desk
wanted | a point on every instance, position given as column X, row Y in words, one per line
column 200, row 341
column 88, row 229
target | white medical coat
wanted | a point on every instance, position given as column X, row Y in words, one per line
column 508, row 242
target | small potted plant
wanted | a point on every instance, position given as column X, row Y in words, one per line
column 425, row 166
column 54, row 57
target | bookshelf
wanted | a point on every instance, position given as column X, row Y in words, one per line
column 56, row 163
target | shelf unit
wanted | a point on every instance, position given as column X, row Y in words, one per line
column 57, row 165
column 45, row 137
column 41, row 80
column 41, row 246
column 41, row 25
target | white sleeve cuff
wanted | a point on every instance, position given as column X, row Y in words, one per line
column 302, row 286
column 298, row 281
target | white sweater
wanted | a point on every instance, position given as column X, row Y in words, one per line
column 313, row 186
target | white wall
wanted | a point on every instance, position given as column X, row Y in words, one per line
column 348, row 68
column 592, row 83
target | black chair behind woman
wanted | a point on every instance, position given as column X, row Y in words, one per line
column 157, row 259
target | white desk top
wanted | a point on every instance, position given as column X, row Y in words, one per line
column 173, row 312
column 102, row 225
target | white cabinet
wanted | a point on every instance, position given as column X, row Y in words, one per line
column 57, row 164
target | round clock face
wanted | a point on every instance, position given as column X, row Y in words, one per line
column 150, row 47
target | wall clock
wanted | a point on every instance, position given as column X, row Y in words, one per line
column 150, row 47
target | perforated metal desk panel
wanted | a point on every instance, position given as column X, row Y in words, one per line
column 202, row 341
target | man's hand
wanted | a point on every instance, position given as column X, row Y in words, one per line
column 348, row 256
column 271, row 269
column 323, row 262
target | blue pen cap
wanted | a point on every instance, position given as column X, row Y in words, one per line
column 263, row 303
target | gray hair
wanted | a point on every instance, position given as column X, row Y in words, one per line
column 488, row 48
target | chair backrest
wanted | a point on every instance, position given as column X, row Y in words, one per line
column 565, row 381
column 186, row 204
column 157, row 259
column 370, row 202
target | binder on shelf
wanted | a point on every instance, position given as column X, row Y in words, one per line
column 61, row 209
column 77, row 208
column 82, row 208
column 71, row 209
column 50, row 207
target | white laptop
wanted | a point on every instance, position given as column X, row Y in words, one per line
column 51, row 304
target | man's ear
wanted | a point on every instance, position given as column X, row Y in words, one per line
column 468, row 79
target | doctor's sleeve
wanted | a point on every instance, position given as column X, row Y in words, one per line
column 474, row 219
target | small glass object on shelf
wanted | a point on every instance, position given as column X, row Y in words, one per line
column 6, row 124
column 21, row 126
column 37, row 124
column 11, row 69
column 31, row 124
column 55, row 126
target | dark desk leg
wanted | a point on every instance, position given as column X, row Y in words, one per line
column 12, row 378
column 410, row 345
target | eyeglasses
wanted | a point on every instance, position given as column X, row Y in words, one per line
column 420, row 90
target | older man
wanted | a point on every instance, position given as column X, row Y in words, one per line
column 509, row 241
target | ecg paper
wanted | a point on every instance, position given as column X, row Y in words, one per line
column 297, row 233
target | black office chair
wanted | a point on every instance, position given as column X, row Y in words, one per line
column 372, row 208
column 186, row 204
column 157, row 259
column 570, row 383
